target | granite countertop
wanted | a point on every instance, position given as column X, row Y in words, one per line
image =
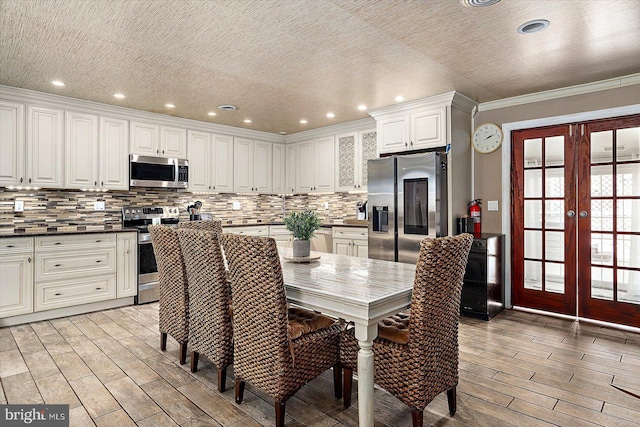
column 57, row 231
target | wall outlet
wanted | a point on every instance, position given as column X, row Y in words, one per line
column 492, row 205
column 98, row 206
column 326, row 205
column 236, row 206
column 18, row 206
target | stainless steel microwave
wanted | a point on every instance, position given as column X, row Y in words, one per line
column 162, row 172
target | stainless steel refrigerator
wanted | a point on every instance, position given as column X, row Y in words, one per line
column 407, row 202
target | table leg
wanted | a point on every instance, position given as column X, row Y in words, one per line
column 365, row 335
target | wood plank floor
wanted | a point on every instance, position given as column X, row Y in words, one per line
column 518, row 369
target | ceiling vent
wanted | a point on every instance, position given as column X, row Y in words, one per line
column 478, row 3
column 227, row 107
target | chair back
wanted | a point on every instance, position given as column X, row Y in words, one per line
column 174, row 294
column 213, row 226
column 210, row 328
column 435, row 302
column 260, row 320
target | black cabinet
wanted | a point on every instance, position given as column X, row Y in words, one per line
column 482, row 291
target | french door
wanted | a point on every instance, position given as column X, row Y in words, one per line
column 576, row 219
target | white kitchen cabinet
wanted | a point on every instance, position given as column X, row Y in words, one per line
column 353, row 150
column 127, row 265
column 81, row 146
column 173, row 142
column 210, row 162
column 96, row 152
column 252, row 166
column 45, row 147
column 350, row 241
column 12, row 144
column 148, row 139
column 16, row 276
column 417, row 129
column 279, row 169
column 291, row 162
column 113, row 169
column 249, row 230
column 315, row 165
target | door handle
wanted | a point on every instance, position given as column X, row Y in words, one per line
column 584, row 214
column 571, row 214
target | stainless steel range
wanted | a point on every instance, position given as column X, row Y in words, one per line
column 140, row 218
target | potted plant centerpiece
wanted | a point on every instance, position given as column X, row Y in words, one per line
column 303, row 226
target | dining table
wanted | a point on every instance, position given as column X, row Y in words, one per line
column 359, row 290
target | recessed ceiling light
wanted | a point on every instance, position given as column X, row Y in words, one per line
column 119, row 95
column 227, row 107
column 533, row 26
column 304, row 121
column 58, row 83
column 282, row 133
column 211, row 113
column 478, row 3
column 362, row 107
column 247, row 120
column 169, row 105
column 331, row 115
column 399, row 98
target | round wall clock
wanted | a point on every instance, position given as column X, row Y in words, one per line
column 487, row 138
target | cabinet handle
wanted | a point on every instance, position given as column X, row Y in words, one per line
column 99, row 260
column 57, row 243
column 57, row 265
column 29, row 180
column 20, row 180
column 162, row 151
column 412, row 143
column 95, row 183
column 9, row 246
column 214, row 187
column 57, row 294
column 29, row 259
column 128, row 251
column 97, row 289
column 102, row 183
column 98, row 241
column 354, row 186
column 406, row 145
column 158, row 151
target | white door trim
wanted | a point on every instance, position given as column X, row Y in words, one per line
column 507, row 128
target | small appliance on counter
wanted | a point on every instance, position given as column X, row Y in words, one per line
column 194, row 211
column 361, row 210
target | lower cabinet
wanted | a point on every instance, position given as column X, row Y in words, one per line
column 249, row 230
column 16, row 276
column 281, row 235
column 350, row 241
column 52, row 272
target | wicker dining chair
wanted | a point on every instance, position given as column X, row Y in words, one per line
column 213, row 226
column 174, row 294
column 276, row 349
column 416, row 352
column 210, row 331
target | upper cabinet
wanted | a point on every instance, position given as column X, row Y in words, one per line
column 45, row 147
column 12, row 160
column 416, row 129
column 252, row 166
column 97, row 152
column 314, row 165
column 148, row 139
column 353, row 150
column 291, row 152
column 279, row 169
column 210, row 162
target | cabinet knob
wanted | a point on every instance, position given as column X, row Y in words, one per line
column 128, row 251
column 97, row 289
column 406, row 145
column 20, row 180
column 214, row 187
column 355, row 186
column 29, row 180
column 412, row 143
column 95, row 183
column 162, row 151
column 101, row 183
column 158, row 151
column 29, row 259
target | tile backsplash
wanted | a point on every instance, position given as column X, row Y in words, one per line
column 60, row 209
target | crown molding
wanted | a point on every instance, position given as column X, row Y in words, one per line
column 91, row 107
column 453, row 99
column 632, row 79
column 353, row 126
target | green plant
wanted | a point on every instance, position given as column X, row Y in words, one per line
column 302, row 224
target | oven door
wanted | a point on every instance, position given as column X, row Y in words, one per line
column 147, row 271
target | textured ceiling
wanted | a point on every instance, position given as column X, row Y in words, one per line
column 282, row 61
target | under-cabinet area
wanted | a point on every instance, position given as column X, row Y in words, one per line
column 51, row 276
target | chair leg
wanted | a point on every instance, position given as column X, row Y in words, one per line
column 348, row 385
column 279, row 414
column 337, row 380
column 451, row 397
column 194, row 361
column 239, row 391
column 163, row 341
column 183, row 353
column 416, row 417
column 222, row 379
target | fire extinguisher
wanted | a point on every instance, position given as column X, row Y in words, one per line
column 475, row 213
